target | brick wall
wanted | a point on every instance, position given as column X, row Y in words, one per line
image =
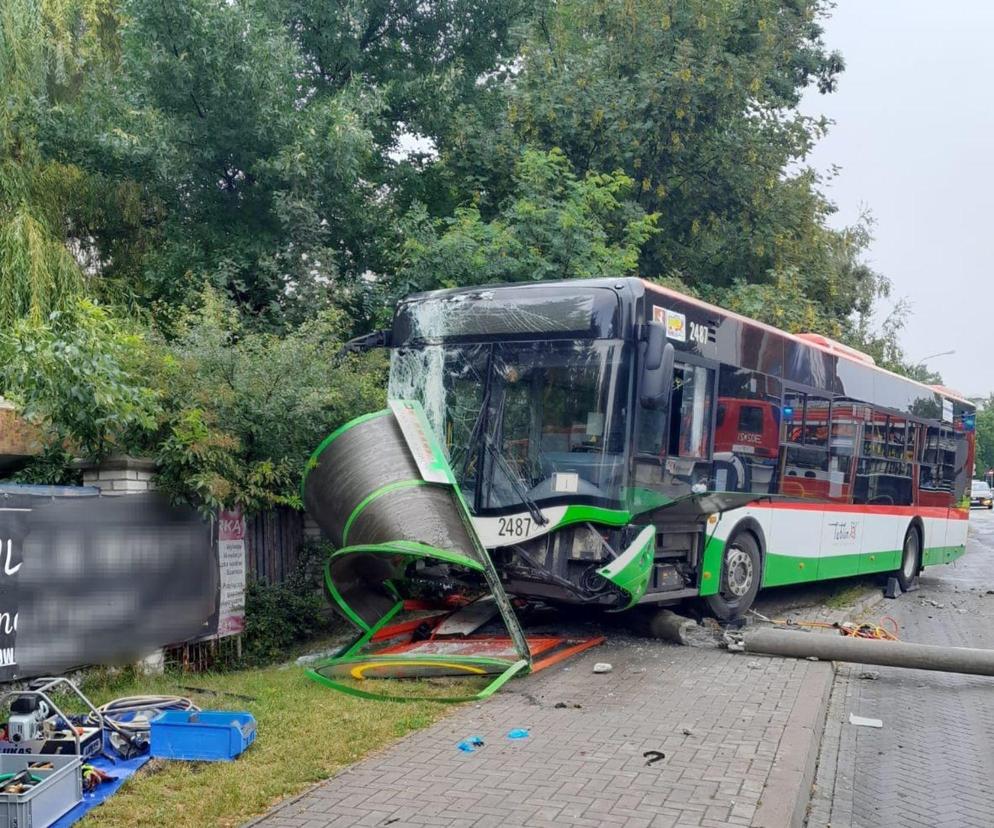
column 312, row 531
column 120, row 474
column 18, row 440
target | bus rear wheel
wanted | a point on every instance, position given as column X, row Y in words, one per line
column 911, row 554
column 741, row 573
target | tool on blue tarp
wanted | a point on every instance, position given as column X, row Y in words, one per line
column 38, row 724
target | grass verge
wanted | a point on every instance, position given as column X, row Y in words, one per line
column 847, row 596
column 306, row 732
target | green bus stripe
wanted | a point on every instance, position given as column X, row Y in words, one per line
column 594, row 514
column 389, row 487
column 942, row 554
column 781, row 570
column 711, row 560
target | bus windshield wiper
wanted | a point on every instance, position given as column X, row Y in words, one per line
column 480, row 444
column 475, row 446
column 509, row 471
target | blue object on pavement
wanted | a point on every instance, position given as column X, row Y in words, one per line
column 518, row 733
column 470, row 744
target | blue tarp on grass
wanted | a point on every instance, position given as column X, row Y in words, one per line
column 120, row 770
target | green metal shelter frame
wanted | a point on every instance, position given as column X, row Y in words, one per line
column 394, row 463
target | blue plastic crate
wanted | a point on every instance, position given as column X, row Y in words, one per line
column 204, row 736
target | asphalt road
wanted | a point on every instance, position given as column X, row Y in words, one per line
column 932, row 762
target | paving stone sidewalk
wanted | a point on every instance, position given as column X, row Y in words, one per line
column 718, row 717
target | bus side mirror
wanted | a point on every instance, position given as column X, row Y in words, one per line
column 367, row 342
column 657, row 371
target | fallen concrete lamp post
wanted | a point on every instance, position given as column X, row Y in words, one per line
column 795, row 644
column 668, row 626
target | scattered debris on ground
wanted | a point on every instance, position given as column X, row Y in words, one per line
column 862, row 721
column 602, row 667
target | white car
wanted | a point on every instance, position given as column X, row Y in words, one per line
column 981, row 495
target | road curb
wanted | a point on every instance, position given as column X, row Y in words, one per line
column 787, row 794
column 788, row 788
column 866, row 603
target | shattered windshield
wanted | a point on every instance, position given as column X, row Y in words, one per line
column 524, row 422
column 488, row 314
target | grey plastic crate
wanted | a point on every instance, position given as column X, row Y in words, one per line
column 60, row 790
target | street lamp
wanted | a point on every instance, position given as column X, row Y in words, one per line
column 933, row 356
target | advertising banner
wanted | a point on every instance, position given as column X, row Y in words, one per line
column 231, row 561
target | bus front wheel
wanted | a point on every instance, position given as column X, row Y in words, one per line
column 741, row 573
column 911, row 554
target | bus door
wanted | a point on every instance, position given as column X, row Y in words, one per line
column 675, row 446
column 690, row 437
column 798, row 528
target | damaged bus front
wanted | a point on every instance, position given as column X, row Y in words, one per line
column 533, row 392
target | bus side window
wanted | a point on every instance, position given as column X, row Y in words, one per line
column 842, row 449
column 805, row 472
column 883, row 476
column 963, row 469
column 651, row 432
column 747, row 431
column 947, row 458
column 930, row 491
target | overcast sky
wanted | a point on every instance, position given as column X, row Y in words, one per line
column 914, row 137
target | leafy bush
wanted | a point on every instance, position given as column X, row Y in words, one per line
column 76, row 374
column 278, row 616
column 243, row 408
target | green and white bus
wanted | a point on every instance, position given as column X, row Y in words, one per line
column 619, row 443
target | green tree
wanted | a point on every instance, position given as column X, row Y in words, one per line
column 985, row 437
column 38, row 273
column 556, row 226
column 77, row 374
column 697, row 103
column 425, row 58
column 251, row 142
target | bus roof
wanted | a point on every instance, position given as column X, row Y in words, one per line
column 816, row 341
column 811, row 340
